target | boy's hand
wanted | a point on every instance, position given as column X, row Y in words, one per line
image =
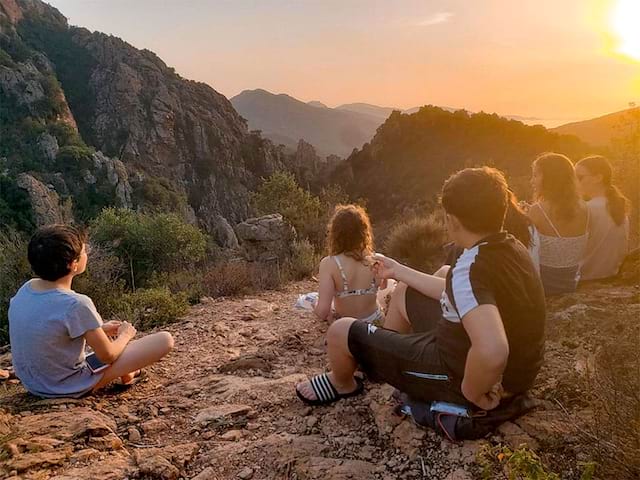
column 491, row 399
column 384, row 268
column 111, row 328
column 127, row 329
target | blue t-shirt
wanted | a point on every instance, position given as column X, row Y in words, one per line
column 46, row 331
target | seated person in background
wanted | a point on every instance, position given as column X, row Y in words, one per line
column 345, row 277
column 609, row 220
column 49, row 325
column 472, row 338
column 560, row 224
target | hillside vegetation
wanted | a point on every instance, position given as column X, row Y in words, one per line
column 405, row 164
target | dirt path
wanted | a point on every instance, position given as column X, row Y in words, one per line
column 222, row 406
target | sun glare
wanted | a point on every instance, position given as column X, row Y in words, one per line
column 625, row 21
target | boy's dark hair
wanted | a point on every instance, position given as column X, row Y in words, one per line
column 478, row 197
column 53, row 248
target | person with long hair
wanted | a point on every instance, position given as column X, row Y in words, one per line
column 345, row 278
column 608, row 209
column 560, row 222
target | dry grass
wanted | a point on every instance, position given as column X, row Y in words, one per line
column 418, row 242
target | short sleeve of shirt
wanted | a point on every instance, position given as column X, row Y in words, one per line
column 471, row 284
column 82, row 317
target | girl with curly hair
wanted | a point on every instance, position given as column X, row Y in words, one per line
column 346, row 280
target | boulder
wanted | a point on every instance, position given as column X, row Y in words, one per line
column 221, row 412
column 265, row 238
column 48, row 146
column 45, row 202
column 223, row 232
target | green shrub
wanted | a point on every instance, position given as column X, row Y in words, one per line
column 418, row 243
column 153, row 307
column 14, row 271
column 519, row 464
column 280, row 193
column 102, row 281
column 6, row 60
column 148, row 243
column 72, row 159
column 15, row 206
column 157, row 194
column 189, row 282
column 304, row 260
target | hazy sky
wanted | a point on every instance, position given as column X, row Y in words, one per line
column 552, row 59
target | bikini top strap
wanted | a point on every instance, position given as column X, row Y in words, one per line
column 345, row 286
column 588, row 219
column 549, row 220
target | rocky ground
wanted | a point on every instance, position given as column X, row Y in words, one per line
column 222, row 406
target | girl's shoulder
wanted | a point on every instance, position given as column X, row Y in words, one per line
column 535, row 213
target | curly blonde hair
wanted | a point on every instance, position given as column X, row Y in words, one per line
column 349, row 232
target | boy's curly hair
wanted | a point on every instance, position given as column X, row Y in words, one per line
column 349, row 232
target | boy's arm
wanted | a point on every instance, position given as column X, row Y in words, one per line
column 106, row 350
column 429, row 285
column 487, row 357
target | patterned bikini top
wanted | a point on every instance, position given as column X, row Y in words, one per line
column 562, row 251
column 372, row 290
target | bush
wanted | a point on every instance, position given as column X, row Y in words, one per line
column 148, row 243
column 15, row 206
column 157, row 194
column 102, row 281
column 14, row 271
column 304, row 260
column 522, row 463
column 153, row 307
column 280, row 193
column 229, row 279
column 238, row 277
column 418, row 243
column 612, row 391
column 188, row 282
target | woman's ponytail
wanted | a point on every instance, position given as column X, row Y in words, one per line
column 617, row 203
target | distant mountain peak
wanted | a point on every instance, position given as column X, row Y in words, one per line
column 316, row 103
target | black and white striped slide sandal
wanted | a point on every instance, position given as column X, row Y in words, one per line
column 326, row 393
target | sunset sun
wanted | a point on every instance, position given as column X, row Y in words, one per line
column 625, row 21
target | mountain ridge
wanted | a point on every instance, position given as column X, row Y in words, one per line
column 602, row 130
column 286, row 119
column 128, row 104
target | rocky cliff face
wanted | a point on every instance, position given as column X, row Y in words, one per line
column 129, row 105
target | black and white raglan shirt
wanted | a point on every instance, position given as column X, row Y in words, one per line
column 498, row 271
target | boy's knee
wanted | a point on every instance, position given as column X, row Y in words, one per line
column 166, row 340
column 399, row 292
column 339, row 329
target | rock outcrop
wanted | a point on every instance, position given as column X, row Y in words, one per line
column 144, row 120
column 45, row 202
column 265, row 238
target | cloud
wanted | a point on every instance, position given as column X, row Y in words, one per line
column 436, row 18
